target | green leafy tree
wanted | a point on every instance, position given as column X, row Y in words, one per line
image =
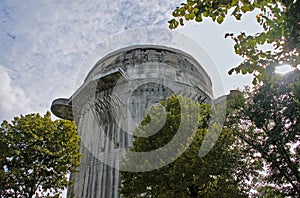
column 268, row 124
column 280, row 21
column 36, row 155
column 217, row 173
column 267, row 192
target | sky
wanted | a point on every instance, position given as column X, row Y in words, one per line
column 47, row 47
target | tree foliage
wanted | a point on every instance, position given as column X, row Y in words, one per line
column 36, row 155
column 280, row 21
column 268, row 123
column 217, row 173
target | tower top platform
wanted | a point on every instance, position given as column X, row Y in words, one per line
column 134, row 62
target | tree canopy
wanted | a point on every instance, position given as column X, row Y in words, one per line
column 279, row 19
column 220, row 172
column 36, row 155
column 268, row 124
column 265, row 119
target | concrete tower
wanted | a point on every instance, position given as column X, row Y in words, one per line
column 115, row 96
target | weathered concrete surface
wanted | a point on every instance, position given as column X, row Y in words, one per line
column 124, row 84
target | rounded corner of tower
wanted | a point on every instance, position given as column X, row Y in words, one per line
column 62, row 108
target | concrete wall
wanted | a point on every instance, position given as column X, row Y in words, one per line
column 125, row 83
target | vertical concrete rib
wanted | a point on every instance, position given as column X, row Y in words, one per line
column 94, row 107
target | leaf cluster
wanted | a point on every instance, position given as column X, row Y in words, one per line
column 267, row 122
column 36, row 155
column 280, row 21
column 189, row 175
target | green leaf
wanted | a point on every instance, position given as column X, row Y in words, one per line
column 192, row 16
column 230, row 71
column 244, row 70
column 238, row 16
column 181, row 21
column 220, row 19
column 176, row 14
column 262, row 55
column 259, row 77
column 234, row 2
column 199, row 18
column 245, row 9
column 187, row 17
column 237, row 70
column 250, row 70
column 213, row 17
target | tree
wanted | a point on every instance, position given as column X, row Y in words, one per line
column 280, row 21
column 189, row 175
column 268, row 124
column 36, row 155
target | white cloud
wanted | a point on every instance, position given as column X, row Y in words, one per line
column 13, row 99
column 44, row 44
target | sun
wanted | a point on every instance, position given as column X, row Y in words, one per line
column 283, row 69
